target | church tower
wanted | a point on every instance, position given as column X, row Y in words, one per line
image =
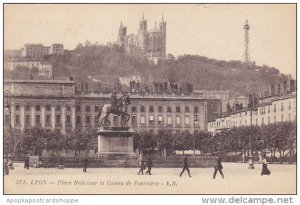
column 142, row 35
column 122, row 35
column 163, row 31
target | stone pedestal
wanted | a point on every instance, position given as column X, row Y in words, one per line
column 115, row 140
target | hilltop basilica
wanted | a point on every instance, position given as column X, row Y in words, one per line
column 149, row 43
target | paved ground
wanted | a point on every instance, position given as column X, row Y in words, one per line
column 238, row 180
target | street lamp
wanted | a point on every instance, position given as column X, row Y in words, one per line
column 7, row 98
column 195, row 121
column 252, row 106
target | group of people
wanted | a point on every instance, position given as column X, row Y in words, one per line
column 143, row 163
column 147, row 162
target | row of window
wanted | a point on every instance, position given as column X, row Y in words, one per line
column 218, row 124
column 38, row 108
column 96, row 108
column 152, row 121
column 160, row 109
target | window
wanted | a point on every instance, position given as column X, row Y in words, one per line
column 68, row 108
column 78, row 108
column 87, row 108
column 17, row 107
column 160, row 108
column 48, row 119
column 169, row 120
column 160, row 119
column 58, row 108
column 143, row 121
column 6, row 119
column 269, row 108
column 57, row 119
column 274, row 107
column 196, row 109
column 87, row 119
column 27, row 119
column 133, row 109
column 187, row 120
column 17, row 119
column 281, row 118
column 151, row 119
column 274, row 119
column 47, row 107
column 27, row 108
column 68, row 119
column 133, row 120
column 78, row 120
column 37, row 107
column 268, row 120
column 262, row 121
column 37, row 119
column 289, row 105
column 96, row 108
column 281, row 106
column 142, row 109
column 169, row 109
column 151, row 109
column 187, row 109
column 177, row 109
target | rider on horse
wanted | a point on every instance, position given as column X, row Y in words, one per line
column 114, row 101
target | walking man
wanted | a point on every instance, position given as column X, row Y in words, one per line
column 185, row 166
column 141, row 164
column 218, row 167
column 85, row 164
column 149, row 165
column 26, row 163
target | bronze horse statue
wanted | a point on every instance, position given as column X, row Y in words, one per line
column 119, row 109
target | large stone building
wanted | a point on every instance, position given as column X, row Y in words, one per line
column 149, row 43
column 268, row 110
column 39, row 51
column 44, row 68
column 55, row 105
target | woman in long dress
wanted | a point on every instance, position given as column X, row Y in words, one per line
column 265, row 170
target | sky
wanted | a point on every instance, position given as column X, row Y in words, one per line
column 211, row 30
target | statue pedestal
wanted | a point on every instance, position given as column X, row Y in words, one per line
column 115, row 140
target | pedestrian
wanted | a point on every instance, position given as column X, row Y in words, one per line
column 141, row 164
column 85, row 164
column 185, row 166
column 265, row 170
column 26, row 163
column 149, row 165
column 6, row 169
column 218, row 167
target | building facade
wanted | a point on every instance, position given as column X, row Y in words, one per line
column 44, row 68
column 149, row 43
column 39, row 51
column 56, row 49
column 269, row 110
column 55, row 105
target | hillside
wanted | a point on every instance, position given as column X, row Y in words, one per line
column 108, row 63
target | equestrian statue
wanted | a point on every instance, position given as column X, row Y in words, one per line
column 117, row 106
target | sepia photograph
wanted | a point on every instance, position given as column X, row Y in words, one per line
column 149, row 99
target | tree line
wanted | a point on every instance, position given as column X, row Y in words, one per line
column 278, row 137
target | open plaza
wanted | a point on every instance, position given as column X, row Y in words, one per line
column 238, row 180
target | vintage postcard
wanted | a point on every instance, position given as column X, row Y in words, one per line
column 149, row 99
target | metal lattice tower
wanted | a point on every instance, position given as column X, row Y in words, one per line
column 246, row 51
